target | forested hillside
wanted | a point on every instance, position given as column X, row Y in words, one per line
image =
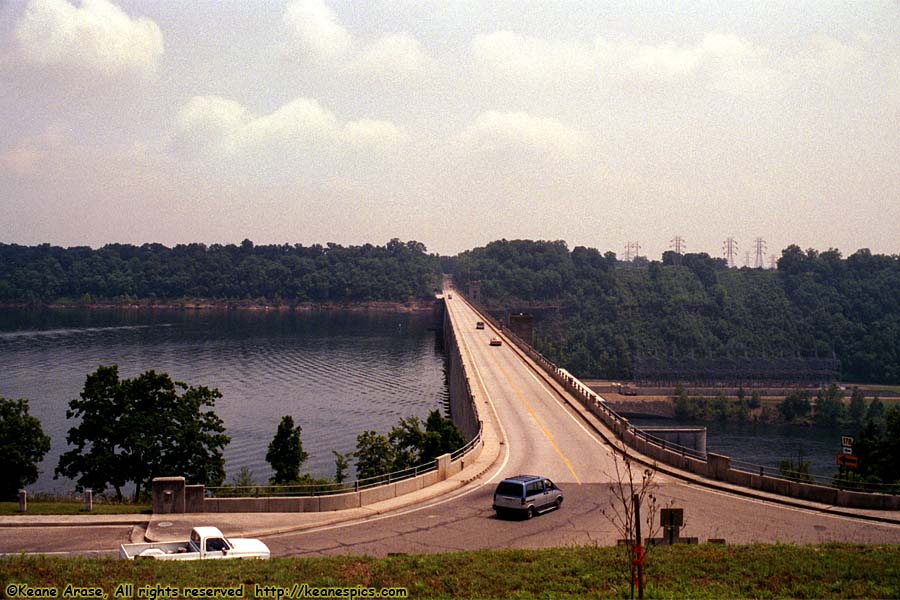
column 398, row 271
column 815, row 304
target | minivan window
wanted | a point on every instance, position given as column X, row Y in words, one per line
column 509, row 488
column 535, row 487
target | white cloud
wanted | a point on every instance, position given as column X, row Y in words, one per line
column 31, row 153
column 394, row 55
column 532, row 59
column 726, row 62
column 98, row 36
column 221, row 127
column 823, row 55
column 664, row 61
column 496, row 131
column 316, row 34
column 373, row 134
column 211, row 124
column 23, row 159
column 315, row 30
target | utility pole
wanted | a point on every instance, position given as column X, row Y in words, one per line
column 760, row 251
column 679, row 247
column 730, row 247
column 632, row 246
column 747, row 258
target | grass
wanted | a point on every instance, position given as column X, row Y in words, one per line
column 704, row 571
column 63, row 507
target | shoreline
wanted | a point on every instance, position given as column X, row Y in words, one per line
column 410, row 306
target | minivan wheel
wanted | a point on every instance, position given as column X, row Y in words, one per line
column 558, row 503
column 529, row 513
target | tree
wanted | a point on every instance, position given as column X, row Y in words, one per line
column 829, row 406
column 132, row 430
column 406, row 440
column 878, row 445
column 857, row 410
column 407, row 445
column 876, row 410
column 755, row 400
column 374, row 455
column 286, row 453
column 22, row 446
column 341, row 464
column 634, row 501
column 798, row 471
column 442, row 436
column 795, row 405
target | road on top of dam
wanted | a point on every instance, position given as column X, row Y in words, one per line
column 541, row 435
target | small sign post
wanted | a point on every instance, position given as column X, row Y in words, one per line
column 846, row 459
column 850, row 461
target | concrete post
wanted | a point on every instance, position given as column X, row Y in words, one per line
column 88, row 499
column 443, row 465
column 23, row 501
column 168, row 495
column 717, row 466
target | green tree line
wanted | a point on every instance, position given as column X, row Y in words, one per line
column 128, row 431
column 598, row 314
column 397, row 271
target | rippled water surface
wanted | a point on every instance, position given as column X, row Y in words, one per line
column 337, row 374
column 767, row 444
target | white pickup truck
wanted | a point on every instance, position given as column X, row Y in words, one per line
column 205, row 543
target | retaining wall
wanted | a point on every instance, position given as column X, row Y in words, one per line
column 716, row 466
column 171, row 495
column 462, row 408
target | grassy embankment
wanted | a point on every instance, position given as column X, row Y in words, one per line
column 64, row 507
column 705, row 571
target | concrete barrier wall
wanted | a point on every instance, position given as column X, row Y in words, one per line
column 193, row 498
column 171, row 495
column 199, row 503
column 717, row 466
column 336, row 501
column 462, row 406
column 377, row 494
column 339, row 502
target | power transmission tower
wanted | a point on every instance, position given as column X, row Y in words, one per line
column 679, row 246
column 747, row 258
column 632, row 246
column 760, row 252
column 730, row 247
column 773, row 261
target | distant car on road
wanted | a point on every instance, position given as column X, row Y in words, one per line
column 527, row 495
column 479, row 325
column 495, row 341
column 449, row 296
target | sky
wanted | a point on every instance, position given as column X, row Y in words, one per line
column 452, row 122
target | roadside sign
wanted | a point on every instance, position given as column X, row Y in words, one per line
column 847, row 450
column 846, row 440
column 848, row 460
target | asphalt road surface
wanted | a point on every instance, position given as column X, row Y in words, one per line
column 543, row 436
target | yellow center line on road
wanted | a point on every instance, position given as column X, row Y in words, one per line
column 536, row 420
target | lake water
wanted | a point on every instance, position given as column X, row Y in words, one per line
column 766, row 444
column 337, row 374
